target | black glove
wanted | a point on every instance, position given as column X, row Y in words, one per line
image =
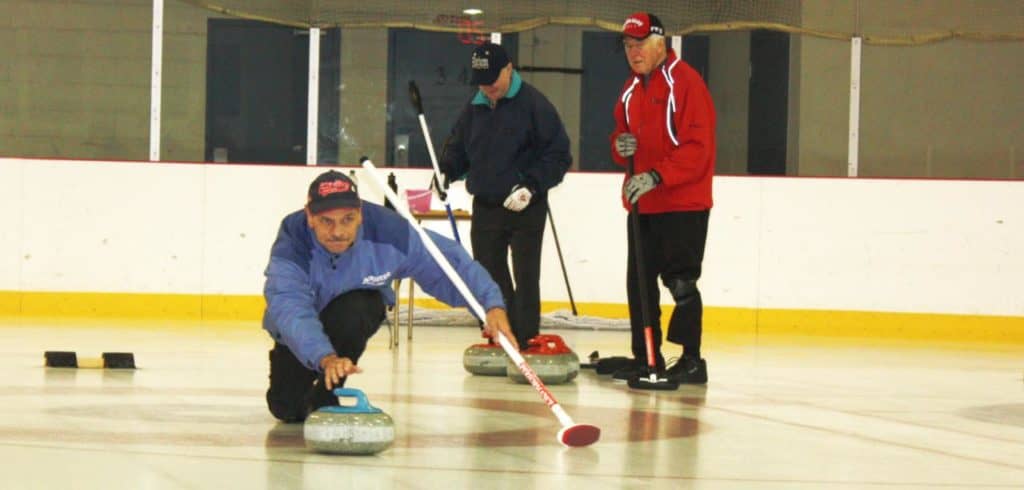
column 442, row 192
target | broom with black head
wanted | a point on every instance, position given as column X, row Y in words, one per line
column 649, row 378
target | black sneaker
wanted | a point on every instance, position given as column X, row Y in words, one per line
column 689, row 370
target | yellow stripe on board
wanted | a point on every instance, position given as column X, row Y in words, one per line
column 717, row 320
column 909, row 326
column 111, row 305
column 128, row 305
column 10, row 303
column 860, row 324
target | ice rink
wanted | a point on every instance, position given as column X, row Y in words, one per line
column 778, row 413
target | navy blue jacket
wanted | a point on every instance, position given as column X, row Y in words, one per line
column 521, row 141
column 303, row 277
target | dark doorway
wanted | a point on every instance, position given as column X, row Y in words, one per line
column 697, row 54
column 257, row 88
column 769, row 103
column 604, row 72
column 439, row 64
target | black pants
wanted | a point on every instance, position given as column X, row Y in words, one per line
column 349, row 321
column 496, row 230
column 673, row 248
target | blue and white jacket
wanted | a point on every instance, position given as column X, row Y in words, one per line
column 303, row 277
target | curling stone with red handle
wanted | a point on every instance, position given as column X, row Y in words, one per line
column 486, row 359
column 550, row 358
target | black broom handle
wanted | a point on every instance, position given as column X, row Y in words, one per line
column 641, row 272
column 561, row 261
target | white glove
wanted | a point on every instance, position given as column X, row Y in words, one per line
column 625, row 145
column 639, row 185
column 518, row 199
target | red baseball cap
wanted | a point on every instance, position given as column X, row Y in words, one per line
column 642, row 24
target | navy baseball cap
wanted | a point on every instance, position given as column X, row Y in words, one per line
column 333, row 190
column 487, row 61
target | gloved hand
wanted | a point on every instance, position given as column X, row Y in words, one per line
column 442, row 192
column 625, row 145
column 518, row 199
column 639, row 185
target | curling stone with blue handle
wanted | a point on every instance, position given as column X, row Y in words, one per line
column 358, row 429
column 487, row 359
column 550, row 358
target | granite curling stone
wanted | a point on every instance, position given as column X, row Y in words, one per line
column 550, row 358
column 357, row 429
column 486, row 359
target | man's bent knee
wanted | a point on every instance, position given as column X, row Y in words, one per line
column 684, row 291
column 285, row 408
column 288, row 413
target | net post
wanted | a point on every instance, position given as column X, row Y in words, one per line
column 852, row 156
column 156, row 80
column 313, row 104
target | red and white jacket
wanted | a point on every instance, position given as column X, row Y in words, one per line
column 673, row 119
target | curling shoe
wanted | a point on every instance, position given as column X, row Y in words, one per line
column 629, row 371
column 635, row 368
column 689, row 370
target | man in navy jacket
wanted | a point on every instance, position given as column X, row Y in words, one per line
column 511, row 147
column 328, row 282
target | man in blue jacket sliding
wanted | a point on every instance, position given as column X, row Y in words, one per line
column 328, row 282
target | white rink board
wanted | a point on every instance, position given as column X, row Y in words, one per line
column 924, row 246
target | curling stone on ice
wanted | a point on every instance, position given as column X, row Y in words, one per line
column 550, row 358
column 487, row 359
column 357, row 429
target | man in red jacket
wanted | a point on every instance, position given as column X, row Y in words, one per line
column 665, row 122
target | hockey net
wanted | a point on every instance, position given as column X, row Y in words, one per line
column 873, row 20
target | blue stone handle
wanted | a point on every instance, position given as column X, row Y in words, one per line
column 362, row 404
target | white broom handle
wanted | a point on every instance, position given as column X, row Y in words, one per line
column 417, row 102
column 401, row 208
column 474, row 305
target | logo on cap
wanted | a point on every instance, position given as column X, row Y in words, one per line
column 632, row 22
column 327, row 188
column 480, row 62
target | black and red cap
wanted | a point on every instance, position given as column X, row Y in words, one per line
column 642, row 24
column 333, row 190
